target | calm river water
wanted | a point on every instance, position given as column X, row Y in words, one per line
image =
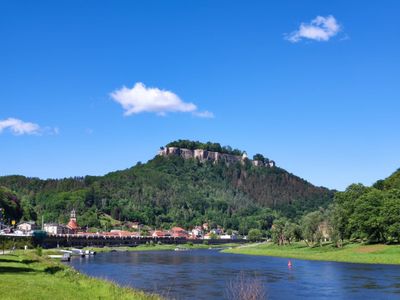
column 204, row 274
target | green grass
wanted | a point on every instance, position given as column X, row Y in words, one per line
column 354, row 253
column 24, row 275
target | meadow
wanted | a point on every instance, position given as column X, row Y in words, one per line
column 351, row 252
column 26, row 275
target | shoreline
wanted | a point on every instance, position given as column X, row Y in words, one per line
column 350, row 253
column 25, row 275
column 156, row 247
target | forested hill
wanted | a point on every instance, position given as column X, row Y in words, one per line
column 368, row 213
column 172, row 190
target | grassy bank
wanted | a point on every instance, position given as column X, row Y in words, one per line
column 156, row 247
column 24, row 275
column 354, row 253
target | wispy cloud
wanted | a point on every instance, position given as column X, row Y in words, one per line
column 19, row 127
column 140, row 98
column 319, row 29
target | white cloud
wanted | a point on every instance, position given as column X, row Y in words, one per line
column 319, row 29
column 140, row 98
column 19, row 127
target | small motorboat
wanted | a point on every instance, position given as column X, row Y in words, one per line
column 90, row 252
column 74, row 252
column 181, row 249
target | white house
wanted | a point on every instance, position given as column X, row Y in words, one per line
column 54, row 228
column 27, row 227
column 228, row 236
column 197, row 231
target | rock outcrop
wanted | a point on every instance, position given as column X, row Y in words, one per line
column 205, row 155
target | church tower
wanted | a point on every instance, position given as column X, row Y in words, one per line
column 72, row 224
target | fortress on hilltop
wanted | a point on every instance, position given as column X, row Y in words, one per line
column 213, row 156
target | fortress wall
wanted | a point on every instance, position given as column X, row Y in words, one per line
column 187, row 153
column 204, row 155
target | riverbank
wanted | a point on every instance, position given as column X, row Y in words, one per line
column 25, row 275
column 162, row 247
column 352, row 253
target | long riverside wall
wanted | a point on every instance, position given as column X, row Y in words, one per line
column 55, row 241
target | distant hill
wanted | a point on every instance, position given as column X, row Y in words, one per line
column 171, row 190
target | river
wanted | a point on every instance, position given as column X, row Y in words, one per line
column 205, row 274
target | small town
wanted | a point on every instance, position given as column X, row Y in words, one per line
column 136, row 230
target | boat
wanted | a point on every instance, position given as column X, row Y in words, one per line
column 74, row 252
column 181, row 249
column 66, row 257
column 79, row 252
column 90, row 252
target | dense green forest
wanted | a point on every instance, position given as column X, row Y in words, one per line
column 170, row 191
column 368, row 213
column 360, row 213
column 11, row 205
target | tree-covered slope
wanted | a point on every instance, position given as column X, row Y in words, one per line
column 171, row 190
column 392, row 182
column 10, row 205
column 368, row 213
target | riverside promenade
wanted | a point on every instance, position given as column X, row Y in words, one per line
column 98, row 240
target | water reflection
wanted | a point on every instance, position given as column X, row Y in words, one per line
column 204, row 274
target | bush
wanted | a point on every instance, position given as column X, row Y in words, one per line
column 255, row 235
column 39, row 251
column 245, row 287
column 205, row 242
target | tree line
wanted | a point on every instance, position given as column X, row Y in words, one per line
column 358, row 214
column 209, row 146
column 168, row 191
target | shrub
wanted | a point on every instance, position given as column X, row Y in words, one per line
column 245, row 287
column 255, row 235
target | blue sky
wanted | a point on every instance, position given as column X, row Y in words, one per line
column 312, row 85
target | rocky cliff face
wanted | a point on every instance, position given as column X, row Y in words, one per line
column 205, row 155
